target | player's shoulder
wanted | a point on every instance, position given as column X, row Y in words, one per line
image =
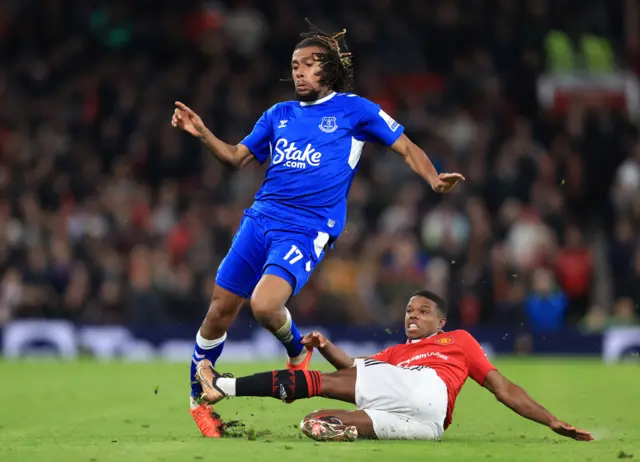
column 349, row 96
column 351, row 99
column 460, row 335
column 282, row 106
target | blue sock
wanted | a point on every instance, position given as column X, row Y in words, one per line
column 204, row 349
column 290, row 337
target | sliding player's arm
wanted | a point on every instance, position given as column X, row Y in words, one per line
column 420, row 163
column 511, row 395
column 336, row 356
column 516, row 399
column 185, row 118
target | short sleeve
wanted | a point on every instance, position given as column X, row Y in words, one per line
column 259, row 140
column 376, row 125
column 477, row 361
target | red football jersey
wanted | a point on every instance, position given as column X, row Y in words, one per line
column 454, row 356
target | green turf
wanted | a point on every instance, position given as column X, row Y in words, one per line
column 87, row 411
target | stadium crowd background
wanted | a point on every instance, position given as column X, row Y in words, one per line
column 108, row 215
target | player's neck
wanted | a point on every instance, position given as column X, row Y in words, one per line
column 426, row 336
column 325, row 93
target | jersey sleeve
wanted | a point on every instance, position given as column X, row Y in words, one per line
column 259, row 140
column 384, row 356
column 477, row 361
column 377, row 126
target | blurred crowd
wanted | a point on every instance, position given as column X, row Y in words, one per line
column 109, row 215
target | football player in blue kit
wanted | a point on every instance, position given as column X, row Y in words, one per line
column 314, row 146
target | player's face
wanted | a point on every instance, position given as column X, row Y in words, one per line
column 422, row 318
column 306, row 71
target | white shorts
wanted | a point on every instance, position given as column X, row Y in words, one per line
column 405, row 404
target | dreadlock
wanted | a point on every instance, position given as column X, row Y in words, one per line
column 336, row 62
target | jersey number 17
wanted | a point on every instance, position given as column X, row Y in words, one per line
column 293, row 255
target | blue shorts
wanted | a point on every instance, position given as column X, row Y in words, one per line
column 266, row 246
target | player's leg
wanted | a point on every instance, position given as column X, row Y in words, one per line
column 392, row 402
column 236, row 278
column 286, row 385
column 292, row 256
column 394, row 426
column 210, row 339
column 212, row 334
column 345, row 425
column 268, row 306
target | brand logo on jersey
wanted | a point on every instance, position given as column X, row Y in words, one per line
column 431, row 354
column 328, row 124
column 288, row 154
column 444, row 341
column 393, row 125
column 283, row 124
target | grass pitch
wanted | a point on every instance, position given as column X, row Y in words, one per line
column 87, row 411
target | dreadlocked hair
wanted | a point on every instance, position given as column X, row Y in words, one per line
column 336, row 61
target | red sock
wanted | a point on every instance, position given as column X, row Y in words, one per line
column 314, row 383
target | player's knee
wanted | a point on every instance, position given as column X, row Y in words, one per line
column 219, row 311
column 268, row 299
column 265, row 308
column 223, row 308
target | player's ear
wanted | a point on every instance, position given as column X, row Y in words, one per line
column 442, row 322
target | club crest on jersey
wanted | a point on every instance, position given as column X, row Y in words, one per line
column 328, row 124
column 444, row 341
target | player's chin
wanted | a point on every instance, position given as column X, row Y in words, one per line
column 413, row 333
column 306, row 94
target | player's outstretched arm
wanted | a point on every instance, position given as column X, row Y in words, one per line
column 335, row 355
column 419, row 162
column 516, row 399
column 185, row 118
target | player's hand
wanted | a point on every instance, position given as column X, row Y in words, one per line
column 564, row 429
column 446, row 182
column 187, row 120
column 314, row 340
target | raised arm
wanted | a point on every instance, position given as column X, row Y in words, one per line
column 516, row 399
column 374, row 124
column 185, row 118
column 420, row 163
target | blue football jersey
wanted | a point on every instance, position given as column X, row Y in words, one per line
column 314, row 150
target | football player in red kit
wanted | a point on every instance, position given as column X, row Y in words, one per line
column 407, row 391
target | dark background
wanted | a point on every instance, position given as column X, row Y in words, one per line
column 109, row 215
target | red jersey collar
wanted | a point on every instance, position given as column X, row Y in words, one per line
column 424, row 338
